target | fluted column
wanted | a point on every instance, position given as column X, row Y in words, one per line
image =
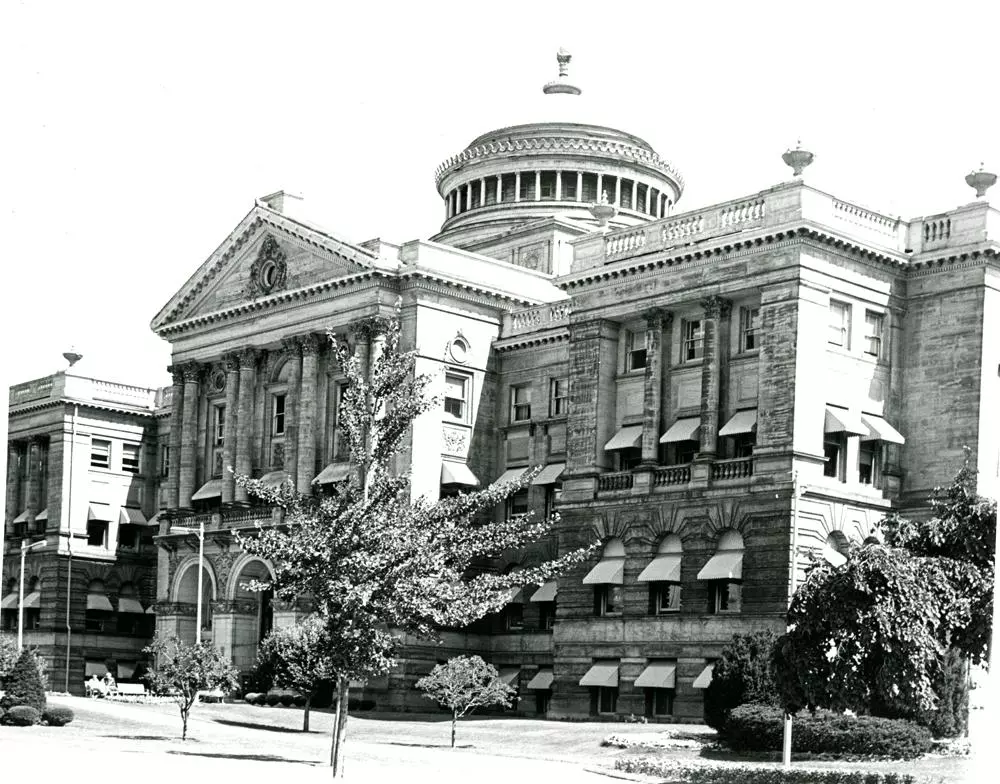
column 247, row 358
column 653, row 385
column 716, row 309
column 229, row 428
column 293, row 350
column 307, row 414
column 174, row 442
column 189, row 435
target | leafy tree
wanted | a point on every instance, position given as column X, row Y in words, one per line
column 181, row 671
column 297, row 657
column 375, row 561
column 8, row 655
column 463, row 684
column 24, row 684
column 742, row 674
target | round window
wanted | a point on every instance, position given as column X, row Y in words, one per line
column 268, row 275
column 459, row 350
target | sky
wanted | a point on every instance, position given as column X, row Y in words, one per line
column 137, row 135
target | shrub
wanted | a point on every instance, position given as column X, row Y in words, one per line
column 22, row 716
column 24, row 684
column 299, row 701
column 261, row 699
column 741, row 675
column 699, row 772
column 760, row 728
column 2, row 712
column 250, row 698
column 273, row 699
column 287, row 699
column 57, row 716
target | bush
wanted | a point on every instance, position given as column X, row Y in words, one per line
column 24, row 684
column 742, row 674
column 2, row 712
column 261, row 699
column 249, row 697
column 22, row 716
column 299, row 701
column 287, row 699
column 760, row 728
column 698, row 772
column 57, row 716
column 273, row 699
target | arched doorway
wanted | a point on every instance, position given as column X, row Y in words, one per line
column 187, row 593
column 263, row 612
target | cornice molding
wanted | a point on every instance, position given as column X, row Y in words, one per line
column 531, row 340
column 65, row 401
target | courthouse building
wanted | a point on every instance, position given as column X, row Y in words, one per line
column 702, row 389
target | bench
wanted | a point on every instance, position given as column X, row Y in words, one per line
column 128, row 692
column 213, row 695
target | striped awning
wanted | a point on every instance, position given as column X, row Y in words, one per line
column 9, row 602
column 627, row 437
column 685, row 429
column 511, row 474
column 742, row 422
column 211, row 489
column 610, row 571
column 725, row 565
column 663, row 569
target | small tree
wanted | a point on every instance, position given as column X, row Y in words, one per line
column 24, row 684
column 463, row 684
column 741, row 675
column 297, row 656
column 8, row 655
column 182, row 670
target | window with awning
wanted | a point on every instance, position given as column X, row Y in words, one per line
column 740, row 423
column 453, row 473
column 129, row 515
column 211, row 489
column 274, row 479
column 509, row 675
column 101, row 511
column 663, row 574
column 880, row 430
column 511, row 474
column 704, row 677
column 335, row 472
column 724, row 573
column 541, row 681
column 99, row 609
column 657, row 675
column 628, row 437
column 842, row 420
column 607, row 577
column 550, row 474
column 546, row 593
column 685, row 429
column 603, row 674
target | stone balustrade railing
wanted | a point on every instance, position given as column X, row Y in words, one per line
column 737, row 468
column 625, row 244
column 239, row 518
column 622, row 480
column 538, row 317
column 672, row 475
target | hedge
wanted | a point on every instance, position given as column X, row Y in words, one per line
column 22, row 716
column 716, row 773
column 273, row 699
column 760, row 728
column 287, row 700
column 57, row 716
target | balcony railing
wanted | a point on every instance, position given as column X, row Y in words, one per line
column 672, row 475
column 737, row 468
column 539, row 317
column 620, row 481
column 240, row 518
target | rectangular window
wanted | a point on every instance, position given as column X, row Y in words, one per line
column 693, row 347
column 873, row 333
column 666, row 597
column 97, row 533
column 834, row 447
column 130, row 458
column 608, row 600
column 32, row 618
column 520, row 403
column 558, row 397
column 541, row 702
column 869, row 463
column 546, row 615
column 128, row 537
column 165, row 460
column 569, row 186
column 548, row 185
column 514, row 617
column 635, row 351
column 278, row 415
column 607, row 699
column 725, row 596
column 629, row 459
column 100, row 453
column 219, row 425
column 517, row 504
column 840, row 324
column 456, row 396
column 660, row 702
column 527, row 191
column 552, row 495
column 749, row 326
column 340, row 444
column 743, row 444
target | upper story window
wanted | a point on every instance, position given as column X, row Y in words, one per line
column 558, row 397
column 874, row 323
column 548, row 191
column 635, row 350
column 607, row 577
column 840, row 324
column 130, row 458
column 100, row 453
column 278, row 415
column 165, row 460
column 520, row 403
column 456, row 397
column 749, row 326
column 340, row 441
column 219, row 425
column 518, row 504
column 693, row 337
column 724, row 574
column 527, row 191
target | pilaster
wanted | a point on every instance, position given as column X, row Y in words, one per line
column 13, row 481
column 307, row 414
column 230, row 427
column 716, row 312
column 176, row 415
column 293, row 350
column 652, row 392
column 189, row 434
column 247, row 360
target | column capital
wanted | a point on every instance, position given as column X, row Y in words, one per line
column 191, row 372
column 248, row 358
column 369, row 327
column 231, row 362
column 657, row 317
column 291, row 347
column 176, row 373
column 716, row 307
column 311, row 343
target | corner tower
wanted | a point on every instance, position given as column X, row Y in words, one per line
column 517, row 176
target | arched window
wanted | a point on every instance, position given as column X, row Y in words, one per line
column 724, row 574
column 835, row 549
column 132, row 617
column 664, row 576
column 608, row 578
column 99, row 609
column 187, row 593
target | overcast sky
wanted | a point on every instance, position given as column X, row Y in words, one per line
column 137, row 135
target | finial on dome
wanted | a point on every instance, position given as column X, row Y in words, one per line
column 562, row 85
column 981, row 180
column 798, row 159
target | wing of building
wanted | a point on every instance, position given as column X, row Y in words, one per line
column 685, row 378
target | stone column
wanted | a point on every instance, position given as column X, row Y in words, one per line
column 244, row 419
column 174, row 442
column 189, row 435
column 34, row 478
column 293, row 350
column 517, row 186
column 13, row 481
column 635, row 195
column 649, row 198
column 600, row 185
column 482, row 192
column 579, row 186
column 538, row 186
column 653, row 385
column 232, row 364
column 716, row 310
column 307, row 414
column 499, row 188
column 558, row 186
column 618, row 192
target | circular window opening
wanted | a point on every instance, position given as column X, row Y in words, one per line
column 459, row 350
column 268, row 275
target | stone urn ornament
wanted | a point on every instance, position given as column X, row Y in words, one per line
column 981, row 180
column 603, row 211
column 797, row 159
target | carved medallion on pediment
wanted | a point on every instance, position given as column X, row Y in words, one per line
column 456, row 441
column 270, row 269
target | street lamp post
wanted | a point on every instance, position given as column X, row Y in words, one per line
column 200, row 533
column 20, row 591
column 786, row 746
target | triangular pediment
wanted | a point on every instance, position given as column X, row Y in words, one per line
column 266, row 254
